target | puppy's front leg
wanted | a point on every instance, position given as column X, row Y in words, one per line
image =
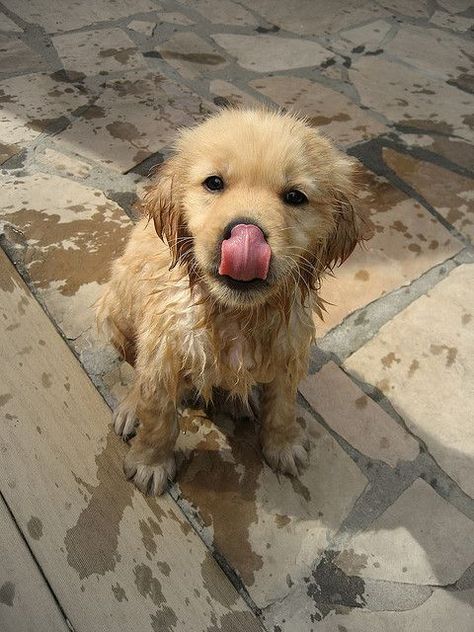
column 150, row 461
column 284, row 442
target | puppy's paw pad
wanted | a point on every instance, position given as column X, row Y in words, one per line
column 150, row 479
column 288, row 458
column 125, row 423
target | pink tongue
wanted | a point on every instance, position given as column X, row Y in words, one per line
column 246, row 254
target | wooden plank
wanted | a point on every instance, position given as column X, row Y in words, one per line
column 26, row 603
column 115, row 559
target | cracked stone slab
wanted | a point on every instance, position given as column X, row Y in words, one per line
column 439, row 613
column 7, row 151
column 408, row 241
column 16, row 56
column 173, row 17
column 330, row 17
column 415, row 46
column 425, row 379
column 141, row 26
column 221, row 12
column 455, row 6
column 74, row 15
column 356, row 417
column 449, row 193
column 191, row 56
column 333, row 113
column 418, row 9
column 66, row 235
column 411, row 98
column 420, row 539
column 454, row 149
column 30, row 103
column 65, row 165
column 267, row 53
column 98, row 52
column 369, row 36
column 269, row 527
column 134, row 117
column 453, row 22
column 226, row 90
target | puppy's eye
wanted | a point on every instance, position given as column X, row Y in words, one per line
column 214, row 183
column 295, row 197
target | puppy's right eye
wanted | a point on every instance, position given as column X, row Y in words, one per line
column 214, row 183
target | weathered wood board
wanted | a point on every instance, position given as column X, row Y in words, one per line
column 115, row 559
column 26, row 603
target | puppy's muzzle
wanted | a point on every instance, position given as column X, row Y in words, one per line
column 245, row 253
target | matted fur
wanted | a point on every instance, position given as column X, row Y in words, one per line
column 166, row 309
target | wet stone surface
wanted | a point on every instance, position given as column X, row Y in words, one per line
column 380, row 523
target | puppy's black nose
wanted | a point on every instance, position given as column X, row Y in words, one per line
column 241, row 220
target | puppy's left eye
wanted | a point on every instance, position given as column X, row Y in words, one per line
column 214, row 183
column 295, row 197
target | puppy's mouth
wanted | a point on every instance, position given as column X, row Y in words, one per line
column 244, row 257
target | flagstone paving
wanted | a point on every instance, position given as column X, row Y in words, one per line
column 377, row 533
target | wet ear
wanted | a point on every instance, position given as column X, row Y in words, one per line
column 161, row 202
column 351, row 226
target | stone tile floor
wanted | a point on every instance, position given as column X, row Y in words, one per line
column 378, row 534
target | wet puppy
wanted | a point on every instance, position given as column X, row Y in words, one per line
column 253, row 207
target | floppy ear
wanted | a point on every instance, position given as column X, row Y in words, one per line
column 161, row 201
column 351, row 226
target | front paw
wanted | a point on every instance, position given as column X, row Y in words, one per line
column 125, row 421
column 286, row 451
column 151, row 479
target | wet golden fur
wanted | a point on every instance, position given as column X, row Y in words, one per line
column 169, row 313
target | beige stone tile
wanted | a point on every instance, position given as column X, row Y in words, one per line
column 266, row 53
column 98, row 52
column 69, row 234
column 415, row 46
column 192, row 56
column 231, row 93
column 411, row 98
column 333, row 113
column 455, row 6
column 328, row 17
column 75, row 14
column 269, row 527
column 369, row 35
column 221, row 12
column 16, row 56
column 356, row 417
column 449, row 193
column 418, row 9
column 28, row 104
column 8, row 25
column 133, row 117
column 408, row 241
column 430, row 380
column 443, row 611
column 140, row 26
column 175, row 18
column 419, row 539
column 65, row 165
column 453, row 22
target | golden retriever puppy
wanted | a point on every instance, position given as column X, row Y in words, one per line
column 252, row 208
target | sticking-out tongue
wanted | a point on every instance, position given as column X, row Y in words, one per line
column 245, row 255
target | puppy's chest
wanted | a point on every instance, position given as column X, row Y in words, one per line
column 242, row 355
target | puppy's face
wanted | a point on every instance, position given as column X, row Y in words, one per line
column 255, row 202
